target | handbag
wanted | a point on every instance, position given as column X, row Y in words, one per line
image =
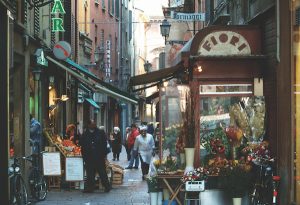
column 108, row 148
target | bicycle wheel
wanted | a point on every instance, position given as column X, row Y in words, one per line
column 38, row 185
column 19, row 195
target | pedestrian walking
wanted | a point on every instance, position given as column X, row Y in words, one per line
column 35, row 135
column 128, row 150
column 93, row 147
column 134, row 159
column 144, row 145
column 116, row 143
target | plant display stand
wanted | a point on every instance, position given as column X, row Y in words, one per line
column 193, row 190
column 192, row 198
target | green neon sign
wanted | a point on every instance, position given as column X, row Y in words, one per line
column 57, row 23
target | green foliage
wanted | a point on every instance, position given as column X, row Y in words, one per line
column 153, row 185
column 235, row 180
column 218, row 133
column 169, row 138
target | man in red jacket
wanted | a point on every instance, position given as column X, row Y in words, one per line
column 134, row 159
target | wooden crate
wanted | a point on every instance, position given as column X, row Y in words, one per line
column 117, row 178
column 54, row 182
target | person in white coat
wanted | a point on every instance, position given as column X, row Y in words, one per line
column 144, row 143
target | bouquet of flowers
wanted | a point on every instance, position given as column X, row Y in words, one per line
column 197, row 174
column 257, row 152
column 234, row 135
column 169, row 164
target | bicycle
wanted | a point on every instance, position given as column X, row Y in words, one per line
column 36, row 180
column 265, row 188
column 18, row 191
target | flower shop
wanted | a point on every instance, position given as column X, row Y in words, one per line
column 214, row 128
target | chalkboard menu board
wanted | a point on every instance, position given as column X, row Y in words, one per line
column 74, row 169
column 51, row 164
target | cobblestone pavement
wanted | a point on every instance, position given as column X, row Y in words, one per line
column 133, row 191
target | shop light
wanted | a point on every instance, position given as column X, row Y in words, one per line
column 62, row 98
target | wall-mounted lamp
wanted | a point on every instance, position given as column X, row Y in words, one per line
column 51, row 82
column 62, row 98
column 165, row 29
column 37, row 73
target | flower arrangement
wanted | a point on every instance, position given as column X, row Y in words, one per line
column 179, row 146
column 197, row 174
column 234, row 135
column 153, row 185
column 169, row 164
column 236, row 177
column 257, row 152
column 216, row 143
column 215, row 165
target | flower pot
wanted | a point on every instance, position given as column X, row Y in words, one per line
column 153, row 198
column 237, row 201
column 160, row 198
column 166, row 194
column 189, row 159
column 182, row 158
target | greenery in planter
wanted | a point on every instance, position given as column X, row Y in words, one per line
column 153, row 185
column 236, row 178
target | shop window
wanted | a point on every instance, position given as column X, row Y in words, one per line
column 216, row 104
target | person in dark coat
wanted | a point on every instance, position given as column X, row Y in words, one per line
column 93, row 148
column 116, row 143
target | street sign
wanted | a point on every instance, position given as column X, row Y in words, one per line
column 62, row 50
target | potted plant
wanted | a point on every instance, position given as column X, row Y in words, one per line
column 153, row 189
column 236, row 179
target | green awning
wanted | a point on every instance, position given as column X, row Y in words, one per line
column 92, row 102
column 93, row 81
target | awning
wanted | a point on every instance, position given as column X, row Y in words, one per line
column 152, row 97
column 156, row 76
column 92, row 102
column 97, row 83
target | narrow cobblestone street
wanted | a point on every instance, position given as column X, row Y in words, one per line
column 133, row 191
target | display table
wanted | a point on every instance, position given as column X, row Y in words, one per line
column 175, row 188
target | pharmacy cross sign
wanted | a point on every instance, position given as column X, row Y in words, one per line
column 57, row 23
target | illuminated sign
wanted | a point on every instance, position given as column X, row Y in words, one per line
column 57, row 23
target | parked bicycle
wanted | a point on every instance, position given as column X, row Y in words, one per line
column 265, row 188
column 36, row 180
column 18, row 191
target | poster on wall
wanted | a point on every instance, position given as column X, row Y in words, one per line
column 74, row 169
column 51, row 164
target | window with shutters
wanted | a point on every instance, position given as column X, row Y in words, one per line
column 108, row 6
column 102, row 39
column 103, row 5
column 36, row 21
column 117, row 9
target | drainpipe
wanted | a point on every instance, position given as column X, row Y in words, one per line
column 277, row 31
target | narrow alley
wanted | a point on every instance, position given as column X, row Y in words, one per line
column 133, row 191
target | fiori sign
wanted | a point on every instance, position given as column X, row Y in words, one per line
column 224, row 43
column 57, row 23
